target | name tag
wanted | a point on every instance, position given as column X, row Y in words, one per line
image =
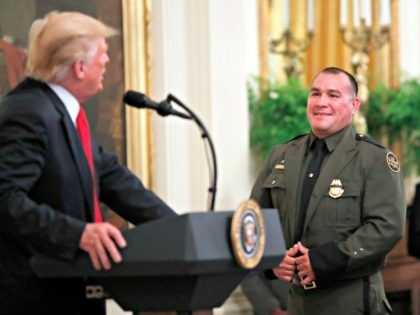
column 280, row 166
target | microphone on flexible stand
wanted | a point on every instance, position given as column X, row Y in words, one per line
column 163, row 108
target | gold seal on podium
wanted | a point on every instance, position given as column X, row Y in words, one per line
column 247, row 233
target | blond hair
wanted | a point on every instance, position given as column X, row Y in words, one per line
column 59, row 39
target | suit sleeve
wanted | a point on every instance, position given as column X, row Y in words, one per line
column 23, row 142
column 123, row 192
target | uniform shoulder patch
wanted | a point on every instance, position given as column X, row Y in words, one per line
column 393, row 163
column 369, row 140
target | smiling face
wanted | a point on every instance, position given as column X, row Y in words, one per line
column 331, row 104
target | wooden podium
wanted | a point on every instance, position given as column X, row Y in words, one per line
column 181, row 263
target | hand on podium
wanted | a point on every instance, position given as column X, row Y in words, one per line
column 101, row 241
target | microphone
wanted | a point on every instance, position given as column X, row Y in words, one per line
column 164, row 108
column 139, row 100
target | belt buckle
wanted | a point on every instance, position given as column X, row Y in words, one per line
column 94, row 292
column 311, row 285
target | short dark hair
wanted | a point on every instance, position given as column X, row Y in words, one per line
column 336, row 70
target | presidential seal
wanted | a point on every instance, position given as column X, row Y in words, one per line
column 247, row 233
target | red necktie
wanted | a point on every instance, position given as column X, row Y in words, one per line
column 83, row 129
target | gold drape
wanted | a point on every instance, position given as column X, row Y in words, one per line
column 327, row 47
column 137, row 73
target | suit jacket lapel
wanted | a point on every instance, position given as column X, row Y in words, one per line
column 76, row 149
column 340, row 157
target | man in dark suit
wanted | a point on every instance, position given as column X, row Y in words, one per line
column 49, row 186
column 341, row 202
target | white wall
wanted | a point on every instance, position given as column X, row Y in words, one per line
column 203, row 53
column 410, row 38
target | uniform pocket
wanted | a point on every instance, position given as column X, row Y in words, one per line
column 276, row 183
column 275, row 180
column 344, row 210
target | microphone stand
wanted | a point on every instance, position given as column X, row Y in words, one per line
column 206, row 136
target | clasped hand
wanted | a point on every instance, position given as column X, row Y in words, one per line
column 295, row 261
column 102, row 241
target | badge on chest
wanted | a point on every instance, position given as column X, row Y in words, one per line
column 336, row 189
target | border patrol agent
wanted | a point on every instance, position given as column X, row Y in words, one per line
column 342, row 206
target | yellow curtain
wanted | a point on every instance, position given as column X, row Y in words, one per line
column 327, row 47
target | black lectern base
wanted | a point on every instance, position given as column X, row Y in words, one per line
column 172, row 293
